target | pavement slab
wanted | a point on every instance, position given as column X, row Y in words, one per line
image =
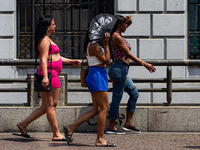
column 86, row 141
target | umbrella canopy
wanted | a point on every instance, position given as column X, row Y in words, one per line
column 101, row 24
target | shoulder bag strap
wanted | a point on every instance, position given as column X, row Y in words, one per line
column 36, row 56
column 82, row 62
column 50, row 49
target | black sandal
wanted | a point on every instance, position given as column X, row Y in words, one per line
column 23, row 135
column 107, row 145
column 67, row 136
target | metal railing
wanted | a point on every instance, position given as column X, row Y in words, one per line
column 6, row 80
column 169, row 80
column 72, row 18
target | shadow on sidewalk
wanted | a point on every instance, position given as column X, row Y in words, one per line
column 73, row 144
column 192, row 147
column 19, row 139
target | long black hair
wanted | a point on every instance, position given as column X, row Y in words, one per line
column 120, row 20
column 41, row 29
column 86, row 38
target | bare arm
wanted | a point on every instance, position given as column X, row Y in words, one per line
column 119, row 41
column 70, row 61
column 43, row 49
column 106, row 47
column 96, row 51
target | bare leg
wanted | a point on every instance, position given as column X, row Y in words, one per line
column 33, row 116
column 51, row 99
column 128, row 126
column 111, row 125
column 88, row 115
column 101, row 98
column 129, row 119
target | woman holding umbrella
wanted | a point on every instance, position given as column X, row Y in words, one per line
column 118, row 73
column 97, row 82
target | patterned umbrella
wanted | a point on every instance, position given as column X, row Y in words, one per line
column 101, row 24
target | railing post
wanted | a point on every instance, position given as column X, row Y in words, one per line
column 66, row 89
column 169, row 84
column 29, row 89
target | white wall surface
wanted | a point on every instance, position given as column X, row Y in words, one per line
column 151, row 5
column 7, row 5
column 8, row 44
column 159, row 31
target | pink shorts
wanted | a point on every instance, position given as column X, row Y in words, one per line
column 56, row 70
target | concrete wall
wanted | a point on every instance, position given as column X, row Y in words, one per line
column 8, row 50
column 159, row 31
column 148, row 119
column 8, row 29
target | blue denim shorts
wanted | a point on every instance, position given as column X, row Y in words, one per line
column 97, row 79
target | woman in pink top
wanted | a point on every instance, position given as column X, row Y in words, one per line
column 43, row 43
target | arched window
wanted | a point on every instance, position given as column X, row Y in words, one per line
column 71, row 17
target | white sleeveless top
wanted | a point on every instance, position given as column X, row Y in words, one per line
column 93, row 60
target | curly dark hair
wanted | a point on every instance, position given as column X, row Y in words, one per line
column 41, row 29
column 120, row 19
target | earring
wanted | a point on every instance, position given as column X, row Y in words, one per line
column 48, row 32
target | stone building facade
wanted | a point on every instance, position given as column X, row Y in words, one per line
column 159, row 32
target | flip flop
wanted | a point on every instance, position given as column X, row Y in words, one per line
column 67, row 136
column 107, row 145
column 23, row 135
column 63, row 139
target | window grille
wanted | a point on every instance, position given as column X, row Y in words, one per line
column 71, row 17
column 194, row 29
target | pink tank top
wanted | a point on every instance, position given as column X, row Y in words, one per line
column 56, row 65
column 52, row 50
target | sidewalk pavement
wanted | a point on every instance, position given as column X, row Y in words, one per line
column 85, row 141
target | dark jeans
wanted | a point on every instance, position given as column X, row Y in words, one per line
column 118, row 73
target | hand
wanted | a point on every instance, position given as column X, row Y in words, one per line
column 76, row 62
column 106, row 39
column 45, row 82
column 150, row 67
column 128, row 19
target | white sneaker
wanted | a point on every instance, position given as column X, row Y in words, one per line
column 114, row 131
column 131, row 129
